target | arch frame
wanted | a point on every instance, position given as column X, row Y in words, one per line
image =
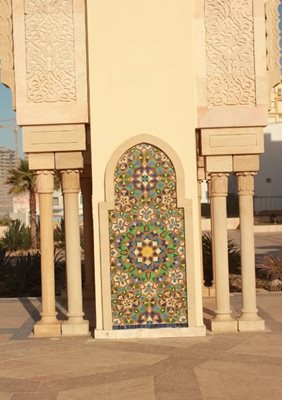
column 108, row 205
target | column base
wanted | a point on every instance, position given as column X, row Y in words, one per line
column 41, row 329
column 221, row 326
column 75, row 328
column 251, row 325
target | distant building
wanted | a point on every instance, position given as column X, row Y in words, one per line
column 7, row 162
column 268, row 184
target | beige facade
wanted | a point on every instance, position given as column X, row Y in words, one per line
column 141, row 101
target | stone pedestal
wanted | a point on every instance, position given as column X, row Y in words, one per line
column 48, row 325
column 223, row 320
column 75, row 325
column 249, row 319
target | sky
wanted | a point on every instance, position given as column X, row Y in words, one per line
column 8, row 116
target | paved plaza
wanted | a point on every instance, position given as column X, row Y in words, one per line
column 240, row 366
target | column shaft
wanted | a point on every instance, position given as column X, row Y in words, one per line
column 218, row 192
column 48, row 325
column 75, row 325
column 249, row 319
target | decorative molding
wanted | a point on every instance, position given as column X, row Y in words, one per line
column 70, row 181
column 230, row 58
column 49, row 43
column 272, row 41
column 272, row 35
column 45, row 181
column 50, row 62
column 218, row 186
column 245, row 181
column 6, row 44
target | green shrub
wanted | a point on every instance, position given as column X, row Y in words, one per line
column 234, row 258
column 16, row 237
column 270, row 267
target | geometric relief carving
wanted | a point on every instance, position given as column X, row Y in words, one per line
column 6, row 38
column 147, row 243
column 272, row 35
column 50, row 59
column 6, row 43
column 230, row 58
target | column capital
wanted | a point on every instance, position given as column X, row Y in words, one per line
column 70, row 180
column 45, row 181
column 245, row 182
column 218, row 185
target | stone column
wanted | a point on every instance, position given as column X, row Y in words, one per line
column 249, row 320
column 223, row 320
column 75, row 325
column 86, row 190
column 48, row 325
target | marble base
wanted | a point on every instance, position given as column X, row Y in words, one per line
column 47, row 330
column 75, row 329
column 150, row 333
column 251, row 326
column 208, row 291
column 218, row 326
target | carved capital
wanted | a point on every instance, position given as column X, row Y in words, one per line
column 70, row 181
column 245, row 182
column 218, row 186
column 45, row 181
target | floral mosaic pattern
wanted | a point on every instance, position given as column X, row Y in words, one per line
column 148, row 268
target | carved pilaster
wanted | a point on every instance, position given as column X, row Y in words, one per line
column 6, row 45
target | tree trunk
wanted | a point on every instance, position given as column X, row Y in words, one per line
column 32, row 220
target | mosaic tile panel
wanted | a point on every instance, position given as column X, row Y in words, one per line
column 148, row 268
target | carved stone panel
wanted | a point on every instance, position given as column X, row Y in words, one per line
column 229, row 26
column 272, row 42
column 50, row 61
column 6, row 44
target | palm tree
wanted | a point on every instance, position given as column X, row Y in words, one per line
column 22, row 179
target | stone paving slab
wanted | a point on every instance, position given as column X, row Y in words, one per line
column 239, row 366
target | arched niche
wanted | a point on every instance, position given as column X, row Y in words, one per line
column 145, row 239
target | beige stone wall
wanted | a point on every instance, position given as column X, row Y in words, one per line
column 142, row 81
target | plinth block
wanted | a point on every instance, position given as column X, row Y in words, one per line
column 47, row 330
column 224, row 326
column 251, row 326
column 75, row 329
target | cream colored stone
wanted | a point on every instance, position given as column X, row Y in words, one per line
column 80, row 328
column 251, row 325
column 219, row 164
column 232, row 141
column 47, row 329
column 150, row 333
column 41, row 161
column 218, row 326
column 218, row 193
column 246, row 163
column 60, row 93
column 48, row 138
column 69, row 160
column 48, row 325
column 249, row 309
column 75, row 324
